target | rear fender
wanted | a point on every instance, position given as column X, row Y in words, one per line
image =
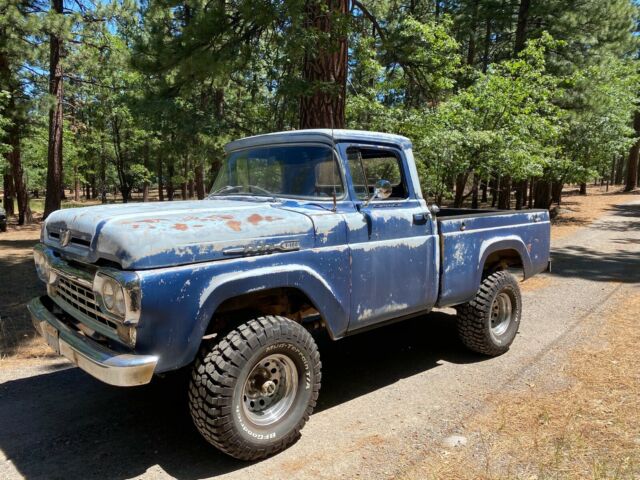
column 464, row 263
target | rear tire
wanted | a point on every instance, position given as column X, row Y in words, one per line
column 251, row 393
column 488, row 324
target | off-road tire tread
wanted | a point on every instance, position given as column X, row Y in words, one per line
column 471, row 319
column 213, row 378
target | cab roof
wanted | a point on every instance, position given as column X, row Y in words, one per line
column 321, row 135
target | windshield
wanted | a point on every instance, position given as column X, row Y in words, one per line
column 299, row 171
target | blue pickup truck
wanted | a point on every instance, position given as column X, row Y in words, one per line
column 303, row 231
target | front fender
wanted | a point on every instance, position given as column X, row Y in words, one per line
column 301, row 277
column 179, row 303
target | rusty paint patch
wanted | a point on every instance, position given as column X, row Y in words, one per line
column 255, row 219
column 135, row 225
column 150, row 220
column 181, row 226
column 145, row 220
column 234, row 225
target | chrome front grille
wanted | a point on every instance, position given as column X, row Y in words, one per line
column 82, row 299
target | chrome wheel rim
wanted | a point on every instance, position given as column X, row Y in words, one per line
column 501, row 314
column 270, row 389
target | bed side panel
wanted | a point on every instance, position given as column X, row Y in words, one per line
column 467, row 241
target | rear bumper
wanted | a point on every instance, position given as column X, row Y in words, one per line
column 109, row 366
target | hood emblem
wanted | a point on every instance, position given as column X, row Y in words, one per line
column 65, row 237
column 265, row 248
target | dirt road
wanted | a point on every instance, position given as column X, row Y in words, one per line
column 389, row 397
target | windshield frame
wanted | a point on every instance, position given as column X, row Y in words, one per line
column 336, row 158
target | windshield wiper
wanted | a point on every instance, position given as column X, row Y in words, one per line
column 228, row 188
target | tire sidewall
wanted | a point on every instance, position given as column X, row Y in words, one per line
column 507, row 285
column 259, row 435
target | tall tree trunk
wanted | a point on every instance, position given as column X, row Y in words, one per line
column 483, row 187
column 504, row 193
column 542, row 194
column 170, row 172
column 14, row 182
column 461, row 182
column 76, row 184
column 7, row 187
column 471, row 51
column 532, row 184
column 556, row 191
column 632, row 161
column 325, row 66
column 583, row 188
column 54, row 158
column 619, row 171
column 474, row 191
column 495, row 186
column 612, row 174
column 520, row 188
column 487, row 44
column 145, row 185
column 17, row 173
column 103, row 172
column 160, row 180
column 199, row 180
column 521, row 27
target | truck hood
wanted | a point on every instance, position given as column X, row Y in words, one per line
column 163, row 234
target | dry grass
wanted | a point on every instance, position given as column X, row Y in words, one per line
column 18, row 284
column 588, row 429
column 536, row 283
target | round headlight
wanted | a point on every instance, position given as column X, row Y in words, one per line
column 109, row 294
column 42, row 267
column 120, row 307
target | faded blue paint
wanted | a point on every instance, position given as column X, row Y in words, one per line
column 468, row 240
column 360, row 265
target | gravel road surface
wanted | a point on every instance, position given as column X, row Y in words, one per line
column 388, row 397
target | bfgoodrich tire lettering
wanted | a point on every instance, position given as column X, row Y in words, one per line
column 272, row 360
column 488, row 324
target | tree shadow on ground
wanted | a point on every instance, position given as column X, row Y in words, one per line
column 620, row 265
column 65, row 424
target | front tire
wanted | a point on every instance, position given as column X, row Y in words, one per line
column 251, row 393
column 488, row 324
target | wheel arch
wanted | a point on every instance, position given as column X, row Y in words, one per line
column 502, row 254
column 297, row 282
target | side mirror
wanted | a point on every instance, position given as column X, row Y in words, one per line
column 383, row 190
column 434, row 209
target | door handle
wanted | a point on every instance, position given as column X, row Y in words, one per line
column 420, row 218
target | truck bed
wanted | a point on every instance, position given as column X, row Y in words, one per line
column 469, row 237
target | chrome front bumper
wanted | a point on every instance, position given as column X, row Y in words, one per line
column 109, row 366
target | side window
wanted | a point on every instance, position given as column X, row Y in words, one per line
column 367, row 166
